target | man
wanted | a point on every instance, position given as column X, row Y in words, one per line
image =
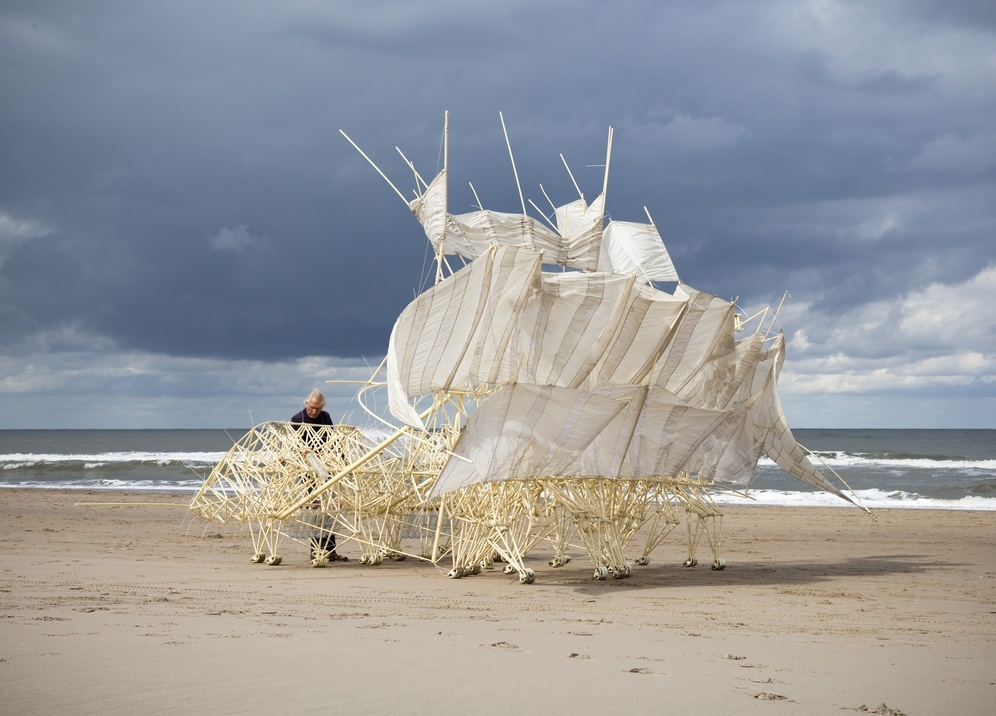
column 314, row 414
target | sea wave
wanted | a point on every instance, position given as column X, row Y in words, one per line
column 872, row 499
column 13, row 461
column 16, row 461
column 847, row 460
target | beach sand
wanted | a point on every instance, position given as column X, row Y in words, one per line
column 139, row 610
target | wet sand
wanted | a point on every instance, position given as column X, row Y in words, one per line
column 142, row 610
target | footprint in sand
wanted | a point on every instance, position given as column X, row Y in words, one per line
column 502, row 645
column 765, row 696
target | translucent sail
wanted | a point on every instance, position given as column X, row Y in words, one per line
column 503, row 319
column 471, row 234
column 459, row 329
column 629, row 432
column 602, row 374
column 629, row 247
column 771, row 428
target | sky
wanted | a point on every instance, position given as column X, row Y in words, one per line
column 187, row 240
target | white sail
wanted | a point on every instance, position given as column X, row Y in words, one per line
column 458, row 328
column 503, row 319
column 771, row 428
column 629, row 247
column 471, row 234
column 704, row 337
column 628, row 432
column 602, row 373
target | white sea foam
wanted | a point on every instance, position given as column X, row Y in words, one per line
column 14, row 461
column 871, row 499
column 839, row 460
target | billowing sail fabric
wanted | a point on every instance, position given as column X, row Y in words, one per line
column 771, row 428
column 503, row 319
column 590, row 329
column 458, row 328
column 640, row 337
column 629, row 247
column 603, row 376
column 717, row 380
column 630, row 432
column 529, row 431
column 524, row 431
column 430, row 209
column 702, row 346
column 671, row 437
column 471, row 235
column 565, row 328
column 581, row 226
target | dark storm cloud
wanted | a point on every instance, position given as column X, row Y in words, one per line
column 172, row 179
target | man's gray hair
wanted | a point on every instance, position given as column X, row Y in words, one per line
column 317, row 395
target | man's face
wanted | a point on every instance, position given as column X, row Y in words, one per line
column 313, row 408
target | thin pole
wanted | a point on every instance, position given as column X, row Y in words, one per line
column 384, row 176
column 547, row 218
column 514, row 170
column 476, row 197
column 439, row 529
column 552, row 205
column 571, row 175
column 605, row 181
column 411, row 165
column 446, row 197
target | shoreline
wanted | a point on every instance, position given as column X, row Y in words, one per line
column 757, row 499
column 140, row 609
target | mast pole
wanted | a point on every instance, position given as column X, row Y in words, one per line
column 514, row 170
column 420, row 183
column 571, row 175
column 383, row 176
column 446, row 196
column 605, row 181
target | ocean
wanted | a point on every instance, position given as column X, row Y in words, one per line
column 932, row 469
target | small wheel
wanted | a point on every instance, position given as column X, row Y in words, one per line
column 626, row 569
column 601, row 572
column 527, row 576
column 508, row 569
column 376, row 559
column 455, row 573
column 719, row 564
column 643, row 561
column 565, row 558
column 617, row 571
column 364, row 559
column 319, row 561
column 257, row 558
column 476, row 569
column 273, row 560
column 398, row 557
column 690, row 562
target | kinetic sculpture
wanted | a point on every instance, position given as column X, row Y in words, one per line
column 579, row 407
